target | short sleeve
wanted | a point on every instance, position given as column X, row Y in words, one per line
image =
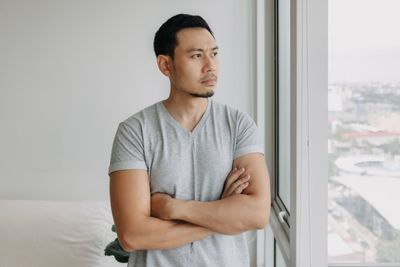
column 248, row 138
column 127, row 150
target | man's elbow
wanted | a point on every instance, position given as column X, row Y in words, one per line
column 130, row 242
column 258, row 221
column 261, row 222
column 125, row 243
column 261, row 219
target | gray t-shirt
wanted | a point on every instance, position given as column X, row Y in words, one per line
column 189, row 166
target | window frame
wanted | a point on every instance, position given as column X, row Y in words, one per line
column 278, row 204
column 309, row 185
column 308, row 223
column 265, row 117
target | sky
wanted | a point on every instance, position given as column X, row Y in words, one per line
column 364, row 41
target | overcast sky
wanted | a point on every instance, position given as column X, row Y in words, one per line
column 364, row 41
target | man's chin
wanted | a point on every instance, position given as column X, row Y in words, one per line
column 204, row 95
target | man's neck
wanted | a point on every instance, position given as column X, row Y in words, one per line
column 186, row 109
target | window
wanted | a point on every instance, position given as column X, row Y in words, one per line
column 299, row 172
column 364, row 132
column 283, row 111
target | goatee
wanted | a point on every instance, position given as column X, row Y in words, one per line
column 206, row 95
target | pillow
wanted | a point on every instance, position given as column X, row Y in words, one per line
column 55, row 233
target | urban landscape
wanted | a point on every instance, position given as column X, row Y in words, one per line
column 364, row 172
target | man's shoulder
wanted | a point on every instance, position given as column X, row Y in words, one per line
column 142, row 115
column 221, row 109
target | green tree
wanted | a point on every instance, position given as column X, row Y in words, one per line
column 392, row 147
column 389, row 250
column 332, row 168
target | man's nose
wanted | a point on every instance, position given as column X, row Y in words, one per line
column 210, row 64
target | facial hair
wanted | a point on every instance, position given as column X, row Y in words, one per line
column 205, row 95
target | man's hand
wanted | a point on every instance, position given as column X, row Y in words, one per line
column 161, row 206
column 235, row 212
column 235, row 183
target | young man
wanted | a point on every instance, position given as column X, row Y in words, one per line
column 187, row 174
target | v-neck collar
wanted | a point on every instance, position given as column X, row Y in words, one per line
column 198, row 126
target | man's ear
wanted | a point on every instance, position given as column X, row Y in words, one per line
column 164, row 65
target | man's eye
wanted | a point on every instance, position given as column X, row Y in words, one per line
column 215, row 54
column 196, row 56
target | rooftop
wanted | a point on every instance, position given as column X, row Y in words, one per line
column 383, row 193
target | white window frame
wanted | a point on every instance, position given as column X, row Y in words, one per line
column 264, row 113
column 308, row 221
column 310, row 80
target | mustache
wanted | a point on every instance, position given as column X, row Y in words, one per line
column 209, row 77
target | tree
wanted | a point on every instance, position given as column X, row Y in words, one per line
column 388, row 250
column 392, row 147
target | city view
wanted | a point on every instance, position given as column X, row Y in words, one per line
column 364, row 172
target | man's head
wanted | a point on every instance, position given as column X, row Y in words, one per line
column 165, row 39
column 187, row 53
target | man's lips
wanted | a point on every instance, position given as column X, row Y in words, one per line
column 211, row 80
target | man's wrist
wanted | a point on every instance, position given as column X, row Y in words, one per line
column 178, row 209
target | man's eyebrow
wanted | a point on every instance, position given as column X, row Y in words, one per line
column 200, row 50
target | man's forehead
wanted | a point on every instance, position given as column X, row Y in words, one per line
column 199, row 49
column 196, row 39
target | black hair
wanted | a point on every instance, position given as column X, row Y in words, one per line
column 165, row 39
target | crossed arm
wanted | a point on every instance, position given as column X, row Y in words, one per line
column 161, row 222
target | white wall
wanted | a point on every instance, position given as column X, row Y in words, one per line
column 70, row 71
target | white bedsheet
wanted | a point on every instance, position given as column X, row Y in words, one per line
column 55, row 234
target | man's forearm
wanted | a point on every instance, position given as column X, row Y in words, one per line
column 230, row 215
column 240, row 209
column 153, row 233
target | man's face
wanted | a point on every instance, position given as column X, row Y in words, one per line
column 194, row 68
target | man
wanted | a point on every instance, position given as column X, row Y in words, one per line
column 187, row 174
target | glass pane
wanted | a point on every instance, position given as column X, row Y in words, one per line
column 284, row 101
column 364, row 137
column 279, row 261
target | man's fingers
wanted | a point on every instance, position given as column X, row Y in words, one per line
column 241, row 187
column 241, row 180
column 235, row 178
column 234, row 175
column 237, row 185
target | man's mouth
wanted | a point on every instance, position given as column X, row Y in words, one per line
column 209, row 80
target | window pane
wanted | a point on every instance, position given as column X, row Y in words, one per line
column 364, row 138
column 283, row 92
column 279, row 261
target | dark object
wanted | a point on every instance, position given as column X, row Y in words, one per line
column 115, row 249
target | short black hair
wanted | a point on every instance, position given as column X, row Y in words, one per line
column 165, row 39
